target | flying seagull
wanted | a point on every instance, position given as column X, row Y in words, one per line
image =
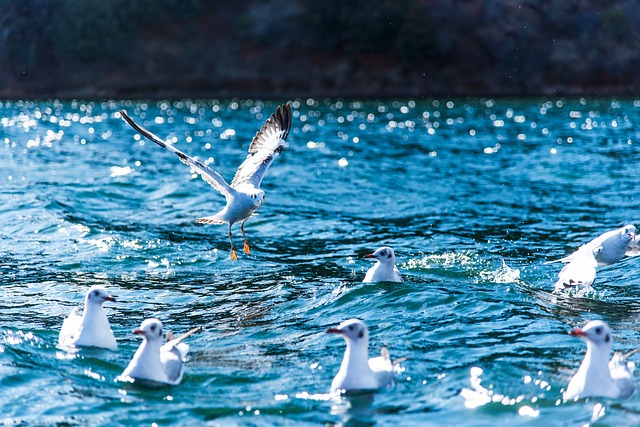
column 244, row 195
column 615, row 244
column 581, row 271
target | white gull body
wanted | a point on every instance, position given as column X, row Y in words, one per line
column 91, row 329
column 581, row 271
column 385, row 269
column 357, row 371
column 155, row 361
column 615, row 245
column 597, row 376
column 243, row 195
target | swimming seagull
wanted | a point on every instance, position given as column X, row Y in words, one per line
column 244, row 195
column 597, row 376
column 581, row 271
column 357, row 371
column 385, row 269
column 615, row 245
column 92, row 329
column 154, row 361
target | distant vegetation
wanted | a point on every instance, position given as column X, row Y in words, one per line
column 309, row 47
column 86, row 30
column 388, row 26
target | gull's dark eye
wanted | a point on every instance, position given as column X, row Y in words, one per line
column 96, row 293
column 598, row 330
column 383, row 253
column 153, row 327
column 351, row 327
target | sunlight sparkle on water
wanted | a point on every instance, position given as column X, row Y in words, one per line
column 86, row 200
column 117, row 171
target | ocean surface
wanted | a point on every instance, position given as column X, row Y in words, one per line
column 473, row 194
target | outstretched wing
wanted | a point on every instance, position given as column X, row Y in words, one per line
column 209, row 175
column 183, row 336
column 265, row 147
column 581, row 271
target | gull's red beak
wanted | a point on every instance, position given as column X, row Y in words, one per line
column 577, row 333
column 109, row 298
column 138, row 331
column 333, row 331
column 368, row 256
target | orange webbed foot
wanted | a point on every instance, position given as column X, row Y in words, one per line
column 234, row 256
column 247, row 249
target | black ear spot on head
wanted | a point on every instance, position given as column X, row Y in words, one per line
column 607, row 338
column 361, row 334
column 389, row 256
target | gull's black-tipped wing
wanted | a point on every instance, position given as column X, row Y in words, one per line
column 209, row 175
column 265, row 147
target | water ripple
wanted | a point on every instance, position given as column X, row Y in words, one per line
column 474, row 195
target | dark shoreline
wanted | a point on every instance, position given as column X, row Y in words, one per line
column 280, row 49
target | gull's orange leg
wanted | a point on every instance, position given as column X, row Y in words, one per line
column 247, row 249
column 234, row 256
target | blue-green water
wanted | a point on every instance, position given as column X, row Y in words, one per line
column 457, row 187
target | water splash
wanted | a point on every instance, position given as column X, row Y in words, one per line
column 504, row 274
column 478, row 395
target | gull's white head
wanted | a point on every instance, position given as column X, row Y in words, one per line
column 97, row 295
column 259, row 198
column 628, row 232
column 257, row 195
column 595, row 332
column 384, row 254
column 150, row 329
column 352, row 330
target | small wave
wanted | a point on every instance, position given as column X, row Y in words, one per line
column 467, row 263
column 447, row 259
column 17, row 337
column 118, row 171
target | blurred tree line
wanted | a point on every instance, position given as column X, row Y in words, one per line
column 37, row 31
column 316, row 47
